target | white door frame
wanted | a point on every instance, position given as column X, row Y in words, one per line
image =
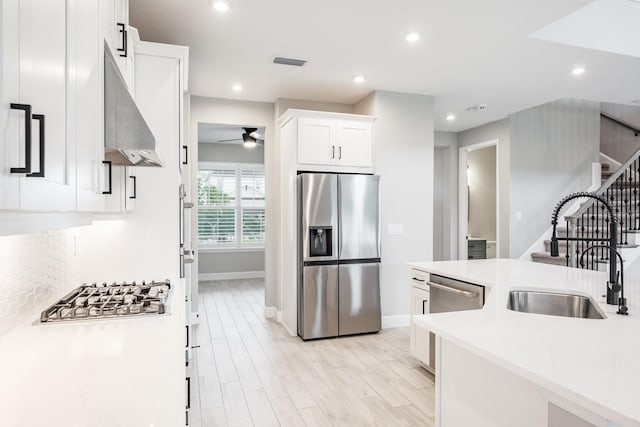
column 463, row 201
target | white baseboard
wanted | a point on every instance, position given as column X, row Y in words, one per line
column 396, row 321
column 279, row 318
column 231, row 276
column 270, row 313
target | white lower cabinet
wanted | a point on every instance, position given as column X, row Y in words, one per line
column 419, row 337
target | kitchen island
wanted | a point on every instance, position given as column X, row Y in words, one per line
column 122, row 372
column 497, row 367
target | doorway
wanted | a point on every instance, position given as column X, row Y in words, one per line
column 479, row 204
column 231, row 202
column 444, row 197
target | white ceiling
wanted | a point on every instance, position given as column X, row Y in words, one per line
column 607, row 25
column 471, row 52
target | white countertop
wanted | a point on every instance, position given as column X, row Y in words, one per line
column 592, row 363
column 110, row 372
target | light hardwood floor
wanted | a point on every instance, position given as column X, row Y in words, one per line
column 250, row 371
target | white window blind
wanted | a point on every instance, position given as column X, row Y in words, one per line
column 224, row 219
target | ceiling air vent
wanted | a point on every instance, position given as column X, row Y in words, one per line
column 479, row 107
column 289, row 61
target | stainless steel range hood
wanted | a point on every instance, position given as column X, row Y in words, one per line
column 127, row 138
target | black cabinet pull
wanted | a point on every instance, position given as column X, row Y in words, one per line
column 188, row 392
column 40, row 173
column 186, row 155
column 187, row 345
column 27, row 138
column 135, row 190
column 339, row 152
column 123, row 31
column 110, row 190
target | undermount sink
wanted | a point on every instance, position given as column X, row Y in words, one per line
column 554, row 304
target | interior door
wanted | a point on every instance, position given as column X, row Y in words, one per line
column 359, row 298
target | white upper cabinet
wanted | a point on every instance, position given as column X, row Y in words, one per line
column 332, row 142
column 316, row 141
column 119, row 37
column 354, row 140
column 38, row 168
column 85, row 102
column 121, row 189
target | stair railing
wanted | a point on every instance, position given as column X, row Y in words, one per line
column 591, row 220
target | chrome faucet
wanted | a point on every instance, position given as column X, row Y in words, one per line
column 613, row 288
column 618, row 286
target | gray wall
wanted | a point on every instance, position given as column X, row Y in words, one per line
column 254, row 114
column 616, row 141
column 445, row 196
column 552, row 149
column 215, row 261
column 283, row 104
column 482, row 193
column 237, row 153
column 404, row 161
column 230, row 262
column 499, row 130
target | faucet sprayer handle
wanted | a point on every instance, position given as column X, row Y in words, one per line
column 622, row 308
column 616, row 287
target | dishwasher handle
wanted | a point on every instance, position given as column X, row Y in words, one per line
column 467, row 294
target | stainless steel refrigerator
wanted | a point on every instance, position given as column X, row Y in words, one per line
column 338, row 255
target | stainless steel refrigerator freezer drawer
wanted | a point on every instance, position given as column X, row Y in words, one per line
column 359, row 298
column 319, row 302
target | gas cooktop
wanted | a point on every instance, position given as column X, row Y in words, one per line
column 97, row 301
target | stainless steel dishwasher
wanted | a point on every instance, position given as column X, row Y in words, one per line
column 451, row 295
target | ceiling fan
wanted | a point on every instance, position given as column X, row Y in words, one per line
column 250, row 138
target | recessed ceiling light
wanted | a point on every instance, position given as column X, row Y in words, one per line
column 450, row 117
column 412, row 37
column 236, row 87
column 220, row 5
column 358, row 79
column 578, row 71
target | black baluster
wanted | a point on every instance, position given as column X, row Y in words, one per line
column 591, row 236
column 580, row 247
column 566, row 236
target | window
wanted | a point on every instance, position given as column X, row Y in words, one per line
column 231, row 205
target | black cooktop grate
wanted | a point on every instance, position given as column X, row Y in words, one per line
column 99, row 301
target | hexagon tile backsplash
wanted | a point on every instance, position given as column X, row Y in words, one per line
column 36, row 270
